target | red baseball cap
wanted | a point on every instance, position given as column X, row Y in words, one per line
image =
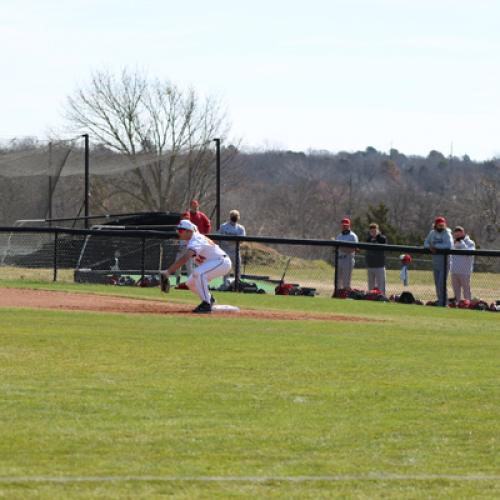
column 440, row 220
column 346, row 221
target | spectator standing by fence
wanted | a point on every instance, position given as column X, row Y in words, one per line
column 375, row 260
column 439, row 238
column 461, row 266
column 232, row 228
column 198, row 218
column 346, row 255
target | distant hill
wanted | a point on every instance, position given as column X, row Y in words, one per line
column 281, row 193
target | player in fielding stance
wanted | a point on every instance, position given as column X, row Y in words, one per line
column 211, row 262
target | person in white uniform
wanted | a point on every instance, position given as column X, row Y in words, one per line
column 346, row 255
column 181, row 248
column 211, row 260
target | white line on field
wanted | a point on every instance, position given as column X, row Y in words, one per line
column 250, row 479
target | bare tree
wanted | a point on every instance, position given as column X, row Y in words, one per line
column 162, row 131
column 487, row 203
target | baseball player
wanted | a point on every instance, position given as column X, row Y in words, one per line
column 346, row 254
column 231, row 228
column 439, row 238
column 211, row 259
column 181, row 248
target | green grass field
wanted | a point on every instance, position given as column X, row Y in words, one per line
column 102, row 405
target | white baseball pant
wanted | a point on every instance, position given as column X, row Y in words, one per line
column 461, row 282
column 344, row 272
column 204, row 273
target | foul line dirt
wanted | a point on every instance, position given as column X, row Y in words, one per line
column 45, row 299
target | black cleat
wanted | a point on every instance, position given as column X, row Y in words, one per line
column 203, row 308
column 212, row 300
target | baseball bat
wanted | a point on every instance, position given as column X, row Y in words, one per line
column 284, row 272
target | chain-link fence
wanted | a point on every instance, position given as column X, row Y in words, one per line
column 322, row 267
column 313, row 264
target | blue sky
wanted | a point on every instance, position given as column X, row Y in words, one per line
column 336, row 75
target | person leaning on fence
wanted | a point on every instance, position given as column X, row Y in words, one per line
column 346, row 255
column 375, row 260
column 461, row 266
column 231, row 228
column 439, row 238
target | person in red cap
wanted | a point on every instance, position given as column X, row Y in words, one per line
column 198, row 218
column 439, row 238
column 346, row 255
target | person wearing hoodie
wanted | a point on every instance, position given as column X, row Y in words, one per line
column 375, row 260
column 461, row 266
column 439, row 238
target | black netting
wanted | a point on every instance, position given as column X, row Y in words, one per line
column 30, row 250
column 36, row 169
column 103, row 256
column 95, row 257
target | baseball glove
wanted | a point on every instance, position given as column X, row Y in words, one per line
column 164, row 283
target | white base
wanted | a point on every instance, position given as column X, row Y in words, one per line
column 224, row 308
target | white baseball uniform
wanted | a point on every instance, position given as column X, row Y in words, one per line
column 211, row 262
column 346, row 259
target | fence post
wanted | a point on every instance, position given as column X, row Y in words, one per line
column 444, row 290
column 143, row 257
column 335, row 273
column 237, row 266
column 55, row 255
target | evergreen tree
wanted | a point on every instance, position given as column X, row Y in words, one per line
column 380, row 215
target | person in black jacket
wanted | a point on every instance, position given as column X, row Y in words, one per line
column 375, row 260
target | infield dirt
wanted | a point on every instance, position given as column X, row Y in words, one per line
column 46, row 299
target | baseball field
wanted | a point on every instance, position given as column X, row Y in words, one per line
column 116, row 392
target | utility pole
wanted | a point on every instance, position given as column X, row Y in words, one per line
column 217, row 182
column 87, row 188
column 50, row 184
